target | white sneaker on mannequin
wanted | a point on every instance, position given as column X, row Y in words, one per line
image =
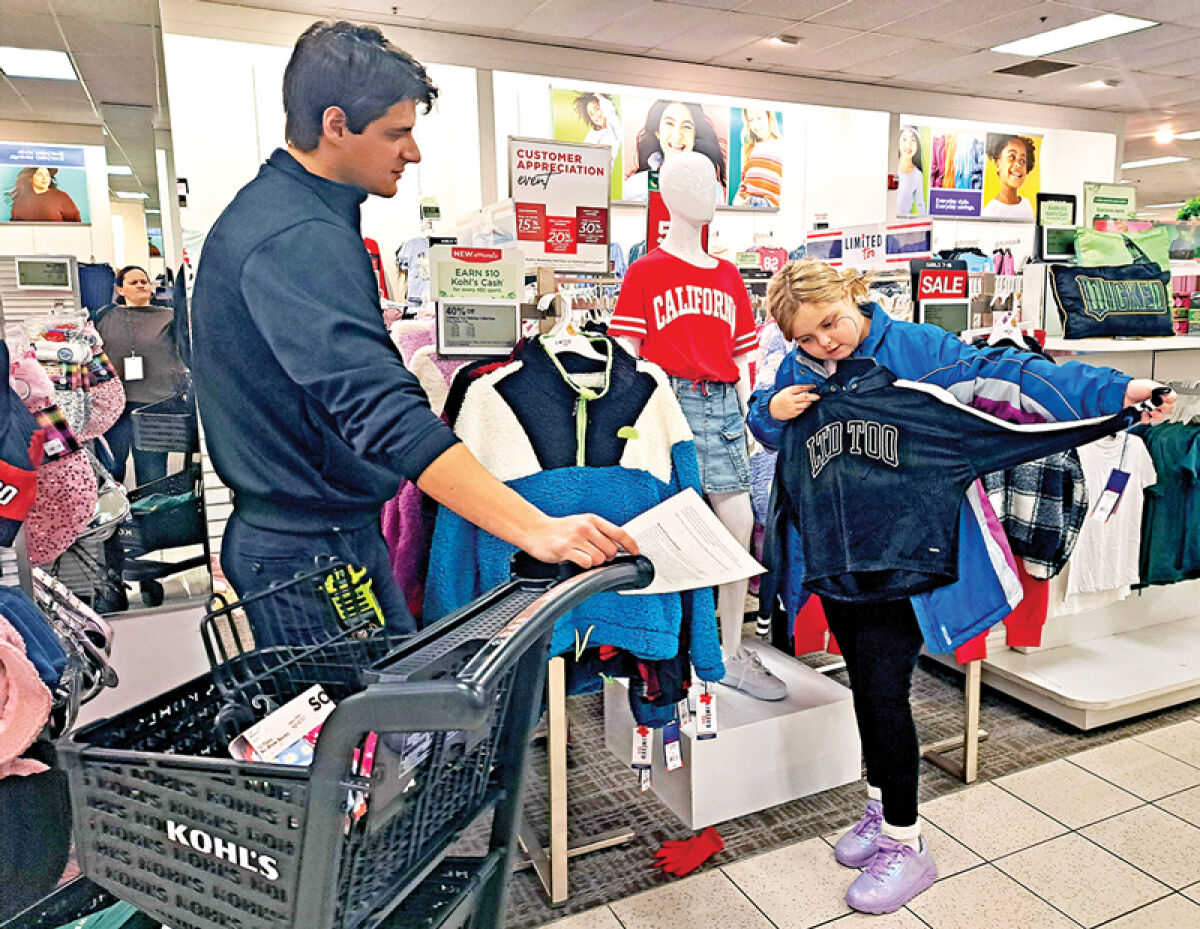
column 746, row 672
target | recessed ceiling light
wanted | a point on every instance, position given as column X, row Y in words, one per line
column 37, row 62
column 1163, row 206
column 1091, row 30
column 120, row 169
column 1152, row 162
column 132, row 195
column 1188, row 136
column 1164, row 136
column 1106, row 84
column 785, row 39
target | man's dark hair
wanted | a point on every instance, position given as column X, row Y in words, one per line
column 352, row 67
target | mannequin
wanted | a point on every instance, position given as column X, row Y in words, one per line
column 660, row 306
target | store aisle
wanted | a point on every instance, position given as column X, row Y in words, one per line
column 1106, row 837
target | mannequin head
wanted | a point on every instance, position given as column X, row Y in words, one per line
column 688, row 183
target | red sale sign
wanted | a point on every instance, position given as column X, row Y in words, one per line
column 531, row 222
column 942, row 285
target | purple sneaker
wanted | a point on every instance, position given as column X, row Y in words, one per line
column 856, row 848
column 895, row 876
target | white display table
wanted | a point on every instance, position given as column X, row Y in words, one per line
column 765, row 753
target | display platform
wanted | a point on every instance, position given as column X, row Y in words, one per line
column 1104, row 680
column 765, row 753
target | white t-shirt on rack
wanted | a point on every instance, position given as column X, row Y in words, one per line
column 1105, row 558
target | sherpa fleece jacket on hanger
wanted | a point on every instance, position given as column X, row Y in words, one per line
column 610, row 440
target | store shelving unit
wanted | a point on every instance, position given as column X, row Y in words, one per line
column 1132, row 657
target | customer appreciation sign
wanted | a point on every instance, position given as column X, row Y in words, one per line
column 560, row 193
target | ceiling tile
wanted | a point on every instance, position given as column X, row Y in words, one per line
column 868, row 47
column 922, row 54
column 708, row 4
column 87, row 37
column 1189, row 67
column 789, row 9
column 29, row 30
column 112, row 79
column 37, row 89
column 1162, row 11
column 1134, row 47
column 726, row 32
column 871, row 14
column 487, row 13
column 939, row 21
column 117, row 11
column 965, row 68
column 813, row 38
column 652, row 24
column 1019, row 25
column 572, row 19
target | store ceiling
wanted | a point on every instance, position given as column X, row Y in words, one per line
column 116, row 46
column 935, row 45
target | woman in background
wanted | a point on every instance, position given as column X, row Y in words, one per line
column 35, row 198
column 910, row 197
column 762, row 160
column 138, row 338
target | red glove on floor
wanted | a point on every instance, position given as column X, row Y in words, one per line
column 681, row 858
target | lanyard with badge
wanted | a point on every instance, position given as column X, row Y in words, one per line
column 134, row 366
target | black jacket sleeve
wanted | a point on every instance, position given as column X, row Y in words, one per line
column 326, row 330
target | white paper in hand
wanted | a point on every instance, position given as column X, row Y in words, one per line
column 688, row 546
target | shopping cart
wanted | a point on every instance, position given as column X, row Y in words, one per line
column 167, row 513
column 166, row 820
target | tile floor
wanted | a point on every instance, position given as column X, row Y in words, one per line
column 1108, row 837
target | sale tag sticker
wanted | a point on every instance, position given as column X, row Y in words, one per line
column 531, row 222
column 591, row 223
column 560, row 235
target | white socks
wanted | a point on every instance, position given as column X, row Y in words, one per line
column 874, row 793
column 909, row 835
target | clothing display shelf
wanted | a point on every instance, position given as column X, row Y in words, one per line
column 1132, row 657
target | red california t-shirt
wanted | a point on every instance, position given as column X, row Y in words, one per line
column 692, row 321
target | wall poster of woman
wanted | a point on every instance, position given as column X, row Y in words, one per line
column 756, row 158
column 42, row 184
column 655, row 130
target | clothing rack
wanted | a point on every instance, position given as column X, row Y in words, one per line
column 552, row 863
column 967, row 769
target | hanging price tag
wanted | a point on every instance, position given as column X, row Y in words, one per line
column 644, row 782
column 643, row 738
column 672, row 750
column 706, row 713
column 685, row 712
column 1110, row 498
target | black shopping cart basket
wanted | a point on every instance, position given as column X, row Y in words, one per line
column 165, row 819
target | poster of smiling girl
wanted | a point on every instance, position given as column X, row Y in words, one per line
column 656, row 130
column 1011, row 181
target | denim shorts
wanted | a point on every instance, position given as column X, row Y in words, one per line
column 715, row 414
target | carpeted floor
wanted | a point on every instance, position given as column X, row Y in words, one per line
column 604, row 792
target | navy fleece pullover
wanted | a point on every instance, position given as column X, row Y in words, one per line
column 310, row 415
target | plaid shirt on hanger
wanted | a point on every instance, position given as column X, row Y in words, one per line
column 1042, row 506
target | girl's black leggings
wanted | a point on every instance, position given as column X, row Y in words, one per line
column 880, row 642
